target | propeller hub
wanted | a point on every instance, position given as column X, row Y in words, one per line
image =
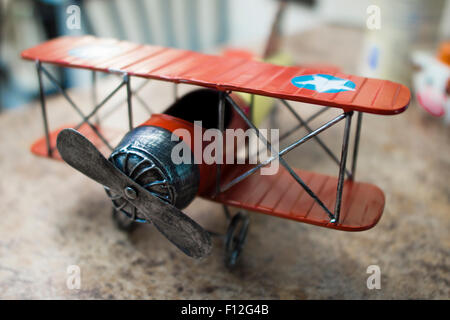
column 130, row 193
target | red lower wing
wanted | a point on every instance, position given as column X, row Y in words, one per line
column 280, row 195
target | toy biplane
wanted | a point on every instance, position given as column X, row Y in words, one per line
column 146, row 186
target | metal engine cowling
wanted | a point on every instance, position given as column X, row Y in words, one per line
column 144, row 154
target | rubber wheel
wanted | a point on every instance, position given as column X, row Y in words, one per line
column 235, row 238
column 122, row 222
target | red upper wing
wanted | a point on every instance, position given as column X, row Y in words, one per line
column 219, row 72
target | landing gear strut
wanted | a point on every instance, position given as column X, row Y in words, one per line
column 123, row 222
column 235, row 238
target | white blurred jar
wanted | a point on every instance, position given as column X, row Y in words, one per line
column 405, row 25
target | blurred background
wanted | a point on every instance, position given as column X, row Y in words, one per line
column 206, row 25
column 53, row 217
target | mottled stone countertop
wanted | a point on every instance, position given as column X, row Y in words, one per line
column 53, row 217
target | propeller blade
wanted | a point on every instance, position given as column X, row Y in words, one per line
column 81, row 154
column 177, row 227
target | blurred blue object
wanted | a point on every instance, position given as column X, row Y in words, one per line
column 162, row 22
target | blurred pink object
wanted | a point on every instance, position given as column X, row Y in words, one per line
column 432, row 101
column 431, row 84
